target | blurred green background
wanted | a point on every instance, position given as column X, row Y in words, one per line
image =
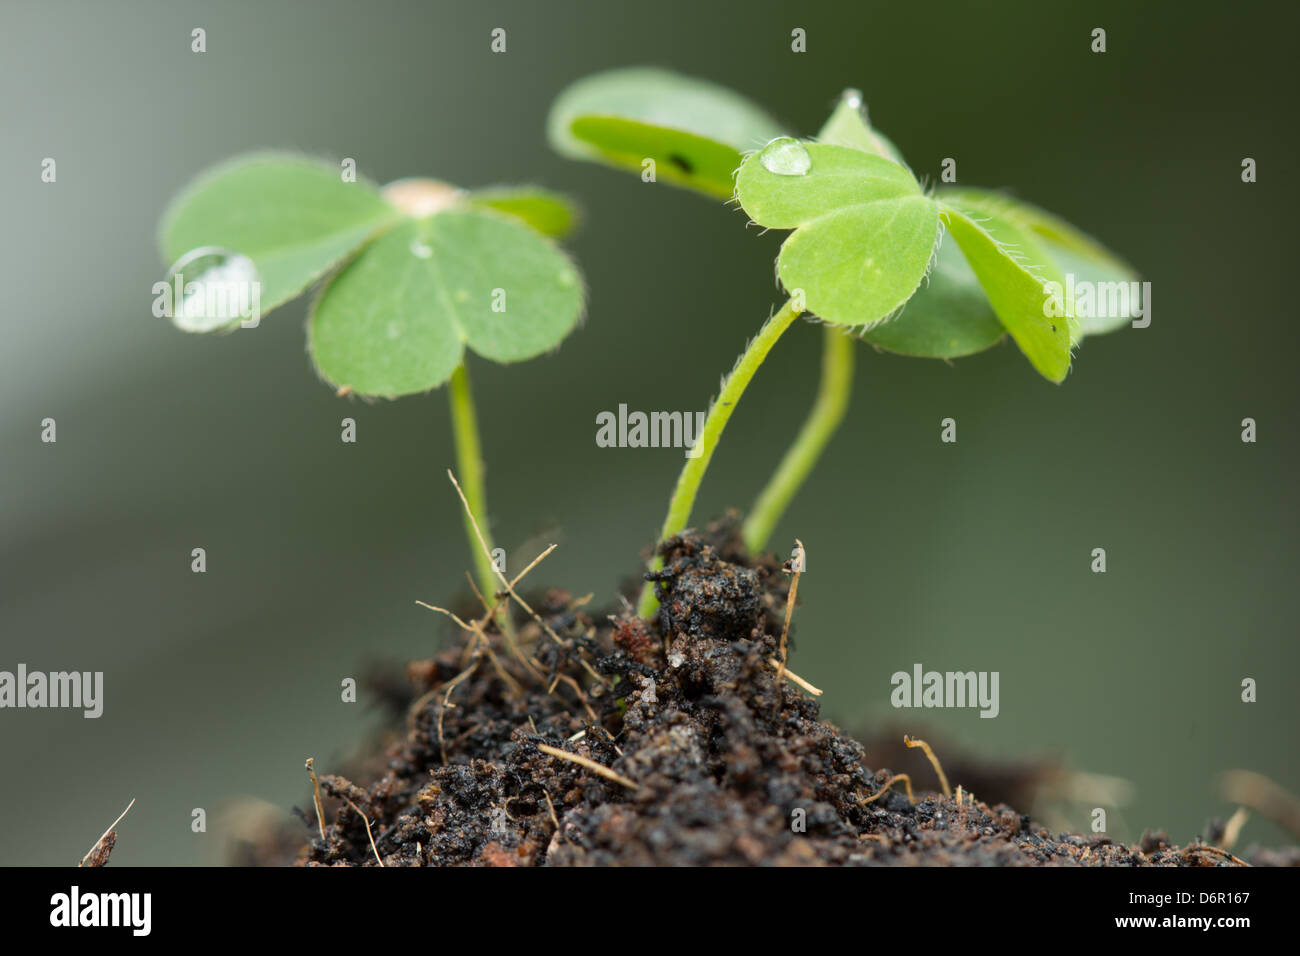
column 973, row 556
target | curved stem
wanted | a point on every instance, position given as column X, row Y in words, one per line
column 688, row 482
column 826, row 415
column 469, row 464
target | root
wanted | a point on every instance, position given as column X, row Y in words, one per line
column 366, row 821
column 794, row 678
column 598, row 769
column 796, row 569
column 1232, row 829
column 884, row 789
column 934, row 761
column 315, row 795
column 509, row 586
column 446, row 702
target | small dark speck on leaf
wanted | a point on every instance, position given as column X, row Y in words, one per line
column 682, row 163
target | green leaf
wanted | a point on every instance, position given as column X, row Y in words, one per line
column 695, row 131
column 948, row 317
column 1078, row 254
column 848, row 126
column 398, row 318
column 864, row 231
column 295, row 218
column 549, row 213
column 1013, row 269
column 837, row 177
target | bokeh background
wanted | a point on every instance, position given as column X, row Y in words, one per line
column 973, row 556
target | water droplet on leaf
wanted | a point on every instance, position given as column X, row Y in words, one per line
column 420, row 250
column 785, row 157
column 213, row 289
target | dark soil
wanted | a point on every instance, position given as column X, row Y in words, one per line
column 724, row 761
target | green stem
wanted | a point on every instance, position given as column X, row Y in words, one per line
column 688, row 482
column 826, row 415
column 469, row 464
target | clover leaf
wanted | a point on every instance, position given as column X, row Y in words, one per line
column 864, row 231
column 1013, row 269
column 398, row 319
column 864, row 239
column 1072, row 252
column 848, row 126
column 434, row 270
column 693, row 130
column 420, row 272
column 549, row 213
column 948, row 317
column 294, row 217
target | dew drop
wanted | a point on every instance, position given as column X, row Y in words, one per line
column 785, row 157
column 420, row 250
column 213, row 288
column 852, row 98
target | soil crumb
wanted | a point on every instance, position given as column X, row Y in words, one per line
column 686, row 750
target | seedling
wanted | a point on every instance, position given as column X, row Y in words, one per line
column 865, row 255
column 414, row 275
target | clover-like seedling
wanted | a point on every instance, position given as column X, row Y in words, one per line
column 414, row 275
column 867, row 253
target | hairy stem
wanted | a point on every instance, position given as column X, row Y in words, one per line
column 688, row 482
column 825, row 417
column 469, row 465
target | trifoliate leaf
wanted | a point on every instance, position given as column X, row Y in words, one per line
column 694, row 131
column 789, row 183
column 1113, row 302
column 948, row 317
column 864, row 231
column 398, row 318
column 295, row 218
column 549, row 213
column 848, row 126
column 1014, row 271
